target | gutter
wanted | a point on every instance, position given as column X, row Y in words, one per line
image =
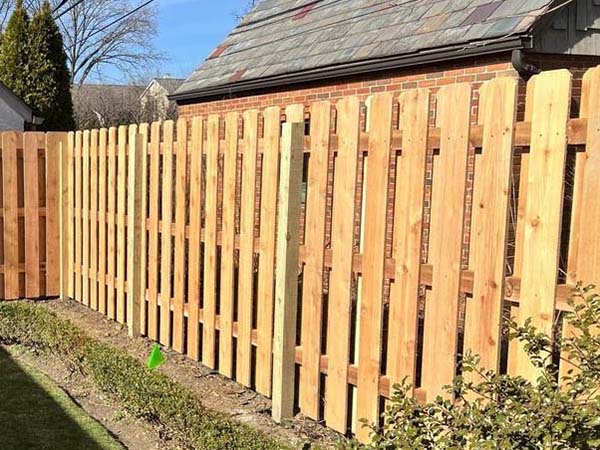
column 359, row 68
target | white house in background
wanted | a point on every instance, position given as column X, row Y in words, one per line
column 15, row 114
column 155, row 97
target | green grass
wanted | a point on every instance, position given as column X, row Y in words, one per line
column 145, row 394
column 36, row 415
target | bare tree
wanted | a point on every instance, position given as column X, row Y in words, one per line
column 100, row 33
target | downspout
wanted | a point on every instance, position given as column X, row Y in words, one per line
column 525, row 69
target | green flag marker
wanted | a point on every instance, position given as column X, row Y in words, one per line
column 156, row 358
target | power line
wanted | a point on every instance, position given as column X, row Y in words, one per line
column 77, row 3
column 119, row 19
column 60, row 5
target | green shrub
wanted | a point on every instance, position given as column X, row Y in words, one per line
column 146, row 394
column 507, row 412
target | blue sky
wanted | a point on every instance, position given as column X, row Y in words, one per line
column 190, row 29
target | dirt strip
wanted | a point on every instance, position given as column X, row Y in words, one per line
column 216, row 392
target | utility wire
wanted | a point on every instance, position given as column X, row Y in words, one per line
column 77, row 3
column 121, row 18
column 60, row 5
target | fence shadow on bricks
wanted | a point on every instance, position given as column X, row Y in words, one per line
column 416, row 238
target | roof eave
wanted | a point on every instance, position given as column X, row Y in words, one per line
column 360, row 67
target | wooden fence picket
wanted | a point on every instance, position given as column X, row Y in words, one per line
column 314, row 243
column 493, row 170
column 340, row 282
column 153, row 232
column 180, row 241
column 227, row 268
column 166, row 236
column 210, row 243
column 542, row 219
column 93, row 275
column 246, row 260
column 408, row 232
column 440, row 334
column 371, row 308
column 112, row 212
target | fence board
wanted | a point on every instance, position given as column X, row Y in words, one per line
column 53, row 142
column 112, row 210
column 78, row 215
column 93, row 275
column 102, row 255
column 227, row 245
column 153, row 232
column 408, row 233
column 544, row 204
column 71, row 215
column 121, row 212
column 498, row 100
column 314, row 243
column 210, row 243
column 340, row 282
column 195, row 256
column 266, row 262
column 166, row 239
column 31, row 143
column 246, row 259
column 371, row 308
column 585, row 265
column 445, row 245
column 180, row 242
column 85, row 220
column 144, row 133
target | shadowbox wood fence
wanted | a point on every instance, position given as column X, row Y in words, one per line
column 320, row 257
column 29, row 212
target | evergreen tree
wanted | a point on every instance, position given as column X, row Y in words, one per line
column 49, row 88
column 14, row 53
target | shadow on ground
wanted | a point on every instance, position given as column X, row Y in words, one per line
column 36, row 415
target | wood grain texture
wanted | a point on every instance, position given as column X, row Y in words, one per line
column 102, row 209
column 340, row 281
column 180, row 241
column 121, row 231
column 166, row 250
column 493, row 171
column 153, row 232
column 314, row 242
column 32, row 141
column 541, row 242
column 584, row 252
column 210, row 243
column 78, row 216
column 266, row 262
column 371, row 307
column 55, row 207
column 286, row 284
column 445, row 243
column 144, row 131
column 194, row 257
column 408, row 234
column 227, row 286
column 93, row 274
column 246, row 259
column 70, row 216
column 85, row 220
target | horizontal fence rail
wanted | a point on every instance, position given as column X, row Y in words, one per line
column 421, row 230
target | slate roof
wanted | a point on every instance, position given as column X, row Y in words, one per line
column 291, row 36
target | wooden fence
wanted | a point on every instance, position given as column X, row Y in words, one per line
column 29, row 228
column 403, row 241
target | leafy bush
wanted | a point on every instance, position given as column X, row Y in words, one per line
column 507, row 412
column 143, row 393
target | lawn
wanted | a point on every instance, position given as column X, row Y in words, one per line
column 37, row 415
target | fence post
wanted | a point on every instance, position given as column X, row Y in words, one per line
column 134, row 231
column 286, row 274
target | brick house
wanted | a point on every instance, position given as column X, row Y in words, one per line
column 297, row 52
